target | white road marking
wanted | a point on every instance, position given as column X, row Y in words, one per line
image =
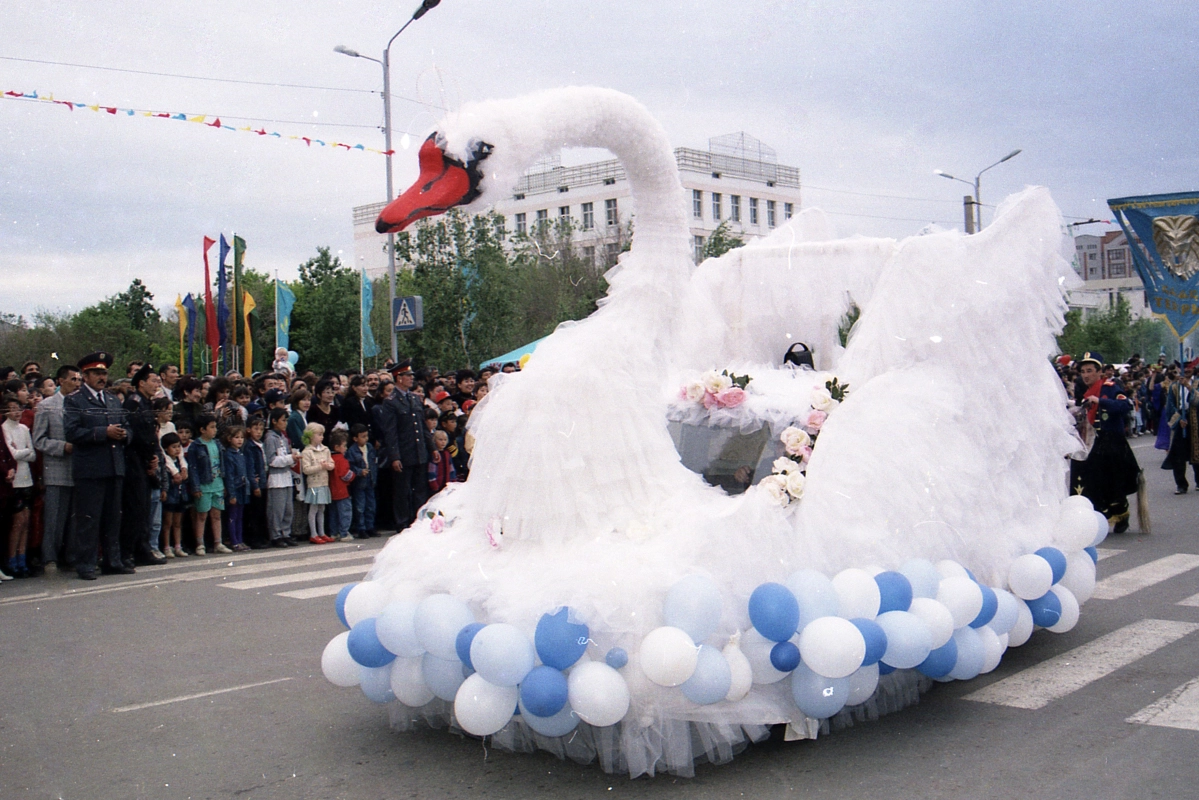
column 1178, row 709
column 1039, row 685
column 140, row 706
column 1108, row 552
column 24, row 598
column 315, row 591
column 296, row 577
column 1193, row 600
column 1132, row 580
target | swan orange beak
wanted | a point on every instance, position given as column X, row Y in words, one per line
column 444, row 182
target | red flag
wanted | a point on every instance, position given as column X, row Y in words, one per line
column 211, row 333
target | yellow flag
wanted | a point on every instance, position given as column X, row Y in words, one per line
column 182, row 327
column 248, row 305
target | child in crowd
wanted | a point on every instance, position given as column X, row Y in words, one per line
column 364, row 462
column 342, row 509
column 255, row 513
column 207, row 486
column 317, row 463
column 240, row 397
column 20, row 445
column 237, row 482
column 282, row 364
column 281, row 461
column 160, row 482
column 176, row 500
column 456, row 448
column 441, row 469
column 432, row 415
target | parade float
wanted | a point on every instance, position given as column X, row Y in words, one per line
column 670, row 542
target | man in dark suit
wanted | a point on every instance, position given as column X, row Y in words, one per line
column 141, row 468
column 406, row 453
column 94, row 423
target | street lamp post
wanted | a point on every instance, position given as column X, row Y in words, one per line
column 385, row 62
column 977, row 200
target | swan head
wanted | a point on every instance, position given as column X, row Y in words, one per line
column 445, row 181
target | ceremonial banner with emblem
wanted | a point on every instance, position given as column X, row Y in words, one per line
column 1163, row 234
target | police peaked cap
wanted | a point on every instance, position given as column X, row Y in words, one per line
column 100, row 360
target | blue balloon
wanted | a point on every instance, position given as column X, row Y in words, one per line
column 340, row 603
column 560, row 724
column 560, row 642
column 1093, row 552
column 365, row 647
column 712, row 678
column 1046, row 610
column 784, row 656
column 884, row 668
column 1056, row 559
column 694, row 605
column 376, row 683
column 895, row 591
column 774, row 611
column 940, row 661
column 990, row 606
column 817, row 696
column 543, row 692
column 616, row 658
column 876, row 640
column 462, row 643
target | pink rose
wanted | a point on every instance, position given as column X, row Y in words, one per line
column 816, row 420
column 805, row 454
column 731, row 397
column 437, row 525
column 709, row 400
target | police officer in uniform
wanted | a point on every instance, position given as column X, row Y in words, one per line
column 406, row 452
column 94, row 424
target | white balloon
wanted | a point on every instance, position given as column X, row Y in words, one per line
column 993, row 648
column 862, row 685
column 936, row 616
column 668, row 656
column 483, row 708
column 951, row 569
column 816, row 595
column 408, row 682
column 694, row 605
column 339, row 667
column 396, row 629
column 1076, row 502
column 438, row 619
column 971, row 655
column 1080, row 576
column 1102, row 528
column 560, row 724
column 832, row 647
column 598, row 694
column 443, row 676
column 923, row 576
column 756, row 648
column 1007, row 611
column 1020, row 632
column 909, row 641
column 857, row 594
column 962, row 597
column 1070, row 610
column 1030, row 576
column 1075, row 527
column 743, row 674
column 367, row 599
column 502, row 654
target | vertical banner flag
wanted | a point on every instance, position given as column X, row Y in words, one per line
column 210, row 334
column 182, row 326
column 370, row 348
column 285, row 300
column 239, row 253
column 1163, row 235
column 189, row 307
column 247, row 306
column 222, row 304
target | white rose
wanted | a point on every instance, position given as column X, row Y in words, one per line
column 714, row 382
column 795, row 484
column 782, row 466
column 694, row 391
column 795, row 440
column 775, row 489
column 821, row 399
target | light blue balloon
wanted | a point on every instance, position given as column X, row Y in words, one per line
column 502, row 654
column 712, row 679
column 1007, row 611
column 442, row 676
column 437, row 621
column 1101, row 528
column 694, row 605
column 909, row 641
column 817, row 696
column 922, row 575
column 815, row 594
column 396, row 629
column 560, row 724
column 971, row 654
column 292, row 357
column 376, row 683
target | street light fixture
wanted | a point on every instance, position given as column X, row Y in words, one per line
column 385, row 62
column 977, row 200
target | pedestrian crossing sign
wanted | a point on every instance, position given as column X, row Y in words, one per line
column 408, row 313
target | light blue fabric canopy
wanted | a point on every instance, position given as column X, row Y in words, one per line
column 514, row 355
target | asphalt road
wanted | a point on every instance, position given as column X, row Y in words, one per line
column 201, row 679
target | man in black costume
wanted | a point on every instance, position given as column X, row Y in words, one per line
column 1111, row 471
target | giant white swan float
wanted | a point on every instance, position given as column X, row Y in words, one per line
column 586, row 593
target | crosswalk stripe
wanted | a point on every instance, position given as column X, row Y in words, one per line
column 1053, row 679
column 297, row 577
column 1178, row 709
column 1132, row 580
column 1108, row 552
column 1193, row 600
column 315, row 591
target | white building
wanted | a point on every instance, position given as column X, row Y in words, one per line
column 1105, row 265
column 737, row 180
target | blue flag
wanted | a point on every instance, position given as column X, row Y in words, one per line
column 1163, row 235
column 369, row 348
column 222, row 305
column 285, row 300
column 189, row 308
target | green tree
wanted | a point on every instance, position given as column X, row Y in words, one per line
column 720, row 241
column 1113, row 333
column 324, row 322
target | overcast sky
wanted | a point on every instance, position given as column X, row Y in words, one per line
column 866, row 98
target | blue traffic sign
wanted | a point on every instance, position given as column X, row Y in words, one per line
column 408, row 314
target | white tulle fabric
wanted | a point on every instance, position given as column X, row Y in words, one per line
column 950, row 445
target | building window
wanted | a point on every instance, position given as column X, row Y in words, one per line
column 753, row 211
column 698, row 241
column 716, row 198
column 543, row 217
column 611, row 215
column 588, row 216
column 788, row 210
column 521, row 228
column 1117, row 270
column 735, row 207
column 563, row 212
column 697, row 204
column 770, row 213
column 611, row 252
column 589, row 254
